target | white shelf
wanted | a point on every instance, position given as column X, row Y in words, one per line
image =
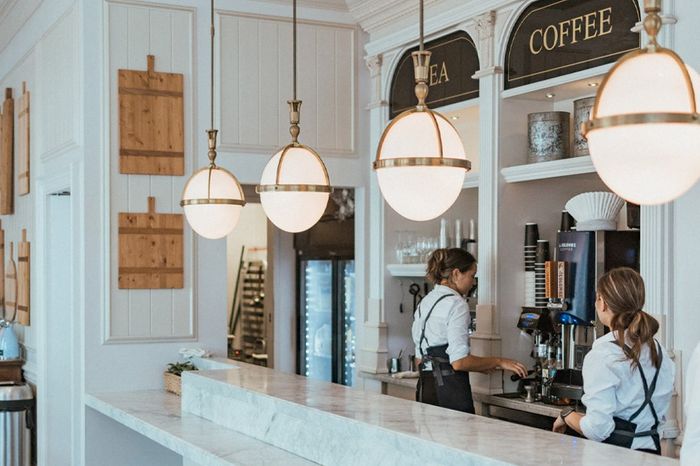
column 544, row 170
column 406, row 270
column 471, row 180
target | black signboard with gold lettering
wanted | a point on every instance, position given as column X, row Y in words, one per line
column 557, row 37
column 453, row 62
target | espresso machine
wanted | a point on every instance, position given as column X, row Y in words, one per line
column 564, row 331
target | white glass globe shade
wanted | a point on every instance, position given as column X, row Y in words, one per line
column 421, row 192
column 647, row 163
column 294, row 211
column 212, row 221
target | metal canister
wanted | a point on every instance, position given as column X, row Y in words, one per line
column 548, row 136
column 582, row 113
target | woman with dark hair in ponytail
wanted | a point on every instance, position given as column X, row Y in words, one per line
column 440, row 333
column 627, row 376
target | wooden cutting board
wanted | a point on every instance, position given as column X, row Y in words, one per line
column 7, row 121
column 151, row 122
column 2, row 268
column 23, row 142
column 23, row 280
column 150, row 249
column 10, row 287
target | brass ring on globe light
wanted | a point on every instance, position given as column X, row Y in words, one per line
column 613, row 121
column 422, row 162
column 297, row 187
column 302, row 188
column 440, row 161
column 213, row 201
column 186, row 202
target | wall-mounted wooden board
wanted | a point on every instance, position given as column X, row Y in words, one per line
column 23, row 280
column 7, row 133
column 150, row 249
column 2, row 267
column 23, row 142
column 10, row 287
column 151, row 122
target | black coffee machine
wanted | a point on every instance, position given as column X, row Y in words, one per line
column 564, row 330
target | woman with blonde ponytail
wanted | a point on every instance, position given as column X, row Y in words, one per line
column 627, row 376
column 440, row 333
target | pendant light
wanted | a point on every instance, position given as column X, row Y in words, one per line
column 295, row 186
column 420, row 162
column 644, row 132
column 213, row 197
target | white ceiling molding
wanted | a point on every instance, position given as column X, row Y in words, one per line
column 13, row 15
column 397, row 24
column 339, row 5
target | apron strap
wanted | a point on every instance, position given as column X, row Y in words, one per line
column 648, row 393
column 425, row 322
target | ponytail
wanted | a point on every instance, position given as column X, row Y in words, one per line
column 622, row 289
column 443, row 261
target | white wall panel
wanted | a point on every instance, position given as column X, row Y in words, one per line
column 58, row 65
column 135, row 32
column 256, row 82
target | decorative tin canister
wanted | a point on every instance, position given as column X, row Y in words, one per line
column 548, row 136
column 582, row 113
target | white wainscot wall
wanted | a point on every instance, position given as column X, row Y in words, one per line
column 256, row 77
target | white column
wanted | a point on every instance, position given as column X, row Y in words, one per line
column 373, row 350
column 486, row 341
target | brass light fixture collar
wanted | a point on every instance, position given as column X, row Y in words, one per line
column 421, row 68
column 294, row 114
column 652, row 26
column 212, row 147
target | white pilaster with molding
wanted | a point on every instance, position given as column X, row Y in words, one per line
column 373, row 347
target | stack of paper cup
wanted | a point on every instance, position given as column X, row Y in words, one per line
column 541, row 256
column 530, row 250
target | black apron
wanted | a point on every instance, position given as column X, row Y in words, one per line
column 626, row 430
column 443, row 386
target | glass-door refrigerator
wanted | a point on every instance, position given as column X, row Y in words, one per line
column 327, row 319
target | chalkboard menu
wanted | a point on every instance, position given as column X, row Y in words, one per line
column 453, row 62
column 556, row 37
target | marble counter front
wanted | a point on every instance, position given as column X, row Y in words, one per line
column 332, row 424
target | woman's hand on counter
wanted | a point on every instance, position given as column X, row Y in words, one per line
column 559, row 425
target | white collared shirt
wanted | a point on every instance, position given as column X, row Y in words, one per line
column 613, row 388
column 448, row 323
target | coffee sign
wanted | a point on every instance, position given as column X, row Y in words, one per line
column 453, row 62
column 557, row 37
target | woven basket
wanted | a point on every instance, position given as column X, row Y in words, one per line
column 173, row 383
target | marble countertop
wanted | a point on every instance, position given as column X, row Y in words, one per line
column 368, row 423
column 156, row 414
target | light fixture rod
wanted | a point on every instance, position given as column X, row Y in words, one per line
column 211, row 126
column 294, row 46
column 421, row 26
